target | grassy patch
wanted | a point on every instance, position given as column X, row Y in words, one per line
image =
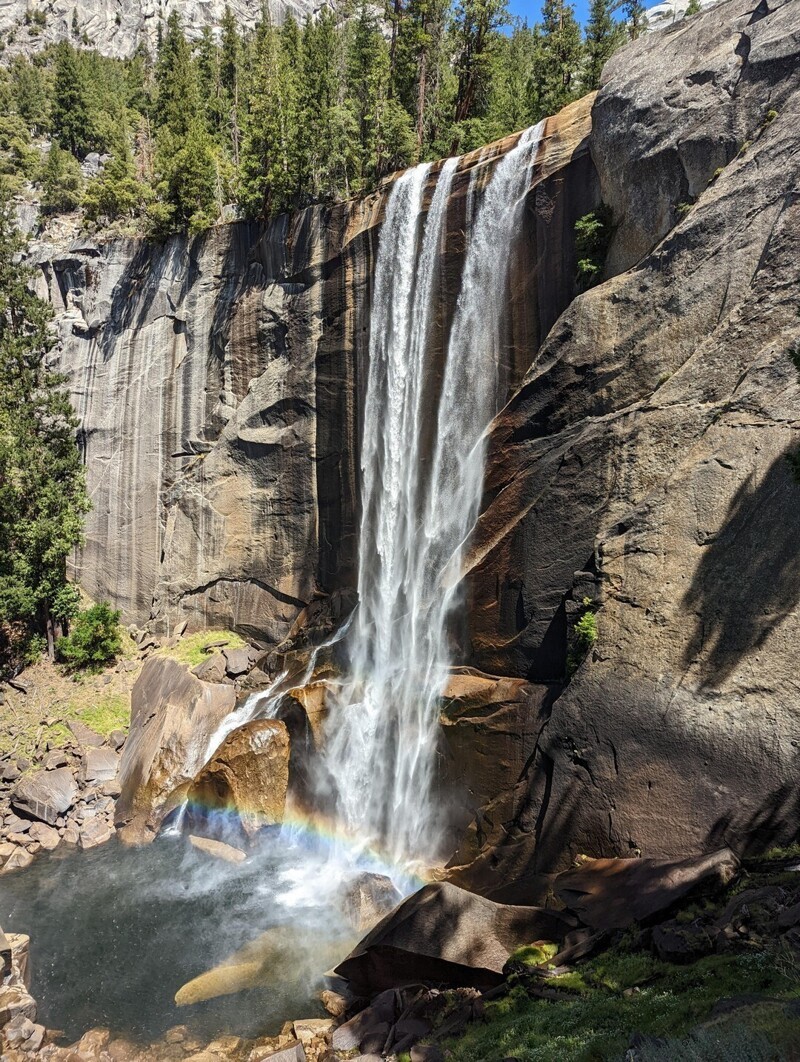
column 621, row 993
column 192, row 648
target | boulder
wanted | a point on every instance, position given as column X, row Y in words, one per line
column 95, row 831
column 45, row 795
column 446, row 935
column 17, row 860
column 247, row 776
column 16, row 1001
column 614, row 893
column 99, row 765
column 212, row 669
column 84, row 735
column 218, row 849
column 55, row 759
column 173, row 717
column 367, row 898
column 47, row 836
column 237, row 661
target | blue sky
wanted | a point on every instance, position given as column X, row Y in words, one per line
column 531, row 9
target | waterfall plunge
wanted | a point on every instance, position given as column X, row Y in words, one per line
column 417, row 514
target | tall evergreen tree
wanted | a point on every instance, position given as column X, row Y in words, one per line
column 561, row 51
column 70, row 118
column 176, row 105
column 476, row 26
column 636, row 18
column 42, row 491
column 603, row 36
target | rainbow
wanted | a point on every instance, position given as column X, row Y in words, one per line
column 305, row 829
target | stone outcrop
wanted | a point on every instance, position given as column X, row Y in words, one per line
column 614, row 893
column 646, row 450
column 219, row 382
column 243, row 785
column 443, row 934
column 173, row 718
column 117, row 30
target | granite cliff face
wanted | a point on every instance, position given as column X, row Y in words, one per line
column 219, row 384
column 117, row 29
column 643, row 463
column 639, row 464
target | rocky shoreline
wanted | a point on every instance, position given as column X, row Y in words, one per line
column 440, row 972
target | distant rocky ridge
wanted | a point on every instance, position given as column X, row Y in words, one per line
column 117, row 28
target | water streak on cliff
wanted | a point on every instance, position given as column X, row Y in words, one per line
column 418, row 508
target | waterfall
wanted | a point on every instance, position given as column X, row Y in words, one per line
column 418, row 509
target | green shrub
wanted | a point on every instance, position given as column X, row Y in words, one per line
column 94, row 640
column 592, row 236
column 585, row 636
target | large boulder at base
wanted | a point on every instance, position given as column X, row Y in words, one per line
column 247, row 778
column 46, row 795
column 614, row 893
column 446, row 935
column 173, row 718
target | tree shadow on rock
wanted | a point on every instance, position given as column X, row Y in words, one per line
column 748, row 580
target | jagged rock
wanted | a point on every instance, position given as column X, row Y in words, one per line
column 116, row 739
column 446, row 935
column 46, row 836
column 247, row 777
column 99, row 765
column 212, row 669
column 237, row 661
column 94, row 832
column 614, row 893
column 367, row 898
column 84, row 735
column 218, row 849
column 173, row 717
column 55, row 759
column 45, row 795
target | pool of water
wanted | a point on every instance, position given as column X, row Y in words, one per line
column 116, row 931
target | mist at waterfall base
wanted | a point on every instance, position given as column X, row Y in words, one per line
column 117, row 931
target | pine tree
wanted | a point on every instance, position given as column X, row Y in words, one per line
column 420, row 56
column 176, row 105
column 70, row 118
column 42, row 490
column 561, row 51
column 603, row 36
column 635, row 17
column 30, row 94
column 229, row 75
column 476, row 26
column 693, row 8
column 62, row 181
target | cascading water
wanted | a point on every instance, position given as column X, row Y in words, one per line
column 417, row 514
column 170, row 918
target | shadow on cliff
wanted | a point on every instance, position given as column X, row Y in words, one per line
column 748, row 580
column 776, row 821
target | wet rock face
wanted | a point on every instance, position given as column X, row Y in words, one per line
column 219, row 383
column 244, row 783
column 647, row 448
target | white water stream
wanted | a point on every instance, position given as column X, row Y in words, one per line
column 418, row 509
column 418, row 506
